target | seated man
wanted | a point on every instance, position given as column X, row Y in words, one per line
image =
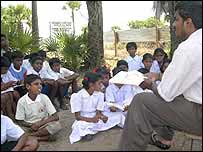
column 36, row 111
column 177, row 101
column 13, row 137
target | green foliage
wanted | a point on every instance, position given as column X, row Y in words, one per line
column 75, row 50
column 11, row 18
column 51, row 44
column 115, row 28
column 72, row 49
column 23, row 41
column 14, row 15
column 148, row 23
column 74, row 5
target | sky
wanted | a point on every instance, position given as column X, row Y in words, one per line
column 114, row 13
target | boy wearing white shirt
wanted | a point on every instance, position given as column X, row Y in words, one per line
column 26, row 62
column 50, row 86
column 134, row 61
column 35, row 110
column 177, row 101
column 64, row 78
column 13, row 137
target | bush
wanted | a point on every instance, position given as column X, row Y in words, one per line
column 72, row 50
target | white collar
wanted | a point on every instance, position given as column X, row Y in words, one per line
column 196, row 33
column 30, row 101
column 85, row 94
column 12, row 66
column 35, row 72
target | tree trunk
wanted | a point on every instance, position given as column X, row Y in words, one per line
column 35, row 29
column 73, row 19
column 95, row 32
column 174, row 41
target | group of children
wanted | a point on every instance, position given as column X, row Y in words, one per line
column 33, row 90
column 91, row 106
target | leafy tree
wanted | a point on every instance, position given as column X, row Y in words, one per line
column 148, row 23
column 115, row 28
column 14, row 15
column 74, row 6
column 11, row 26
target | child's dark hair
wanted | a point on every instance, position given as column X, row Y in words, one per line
column 33, row 55
column 35, row 59
column 17, row 54
column 5, row 62
column 117, row 70
column 90, row 77
column 147, row 56
column 101, row 70
column 42, row 53
column 31, row 78
column 165, row 61
column 54, row 60
column 122, row 62
column 157, row 50
column 143, row 70
column 130, row 45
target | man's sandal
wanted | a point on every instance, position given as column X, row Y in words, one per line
column 158, row 143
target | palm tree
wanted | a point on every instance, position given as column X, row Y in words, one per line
column 167, row 7
column 74, row 6
column 35, row 28
column 95, row 32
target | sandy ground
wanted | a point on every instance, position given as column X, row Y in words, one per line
column 103, row 141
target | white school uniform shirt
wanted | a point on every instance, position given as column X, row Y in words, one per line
column 42, row 73
column 9, row 130
column 26, row 64
column 87, row 104
column 184, row 73
column 62, row 74
column 154, row 68
column 6, row 78
column 33, row 111
column 114, row 94
column 134, row 63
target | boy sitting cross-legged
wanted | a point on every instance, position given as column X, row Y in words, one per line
column 36, row 111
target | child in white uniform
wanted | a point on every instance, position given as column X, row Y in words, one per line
column 134, row 61
column 87, row 105
column 119, row 93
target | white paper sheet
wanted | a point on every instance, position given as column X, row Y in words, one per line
column 132, row 77
column 110, row 104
